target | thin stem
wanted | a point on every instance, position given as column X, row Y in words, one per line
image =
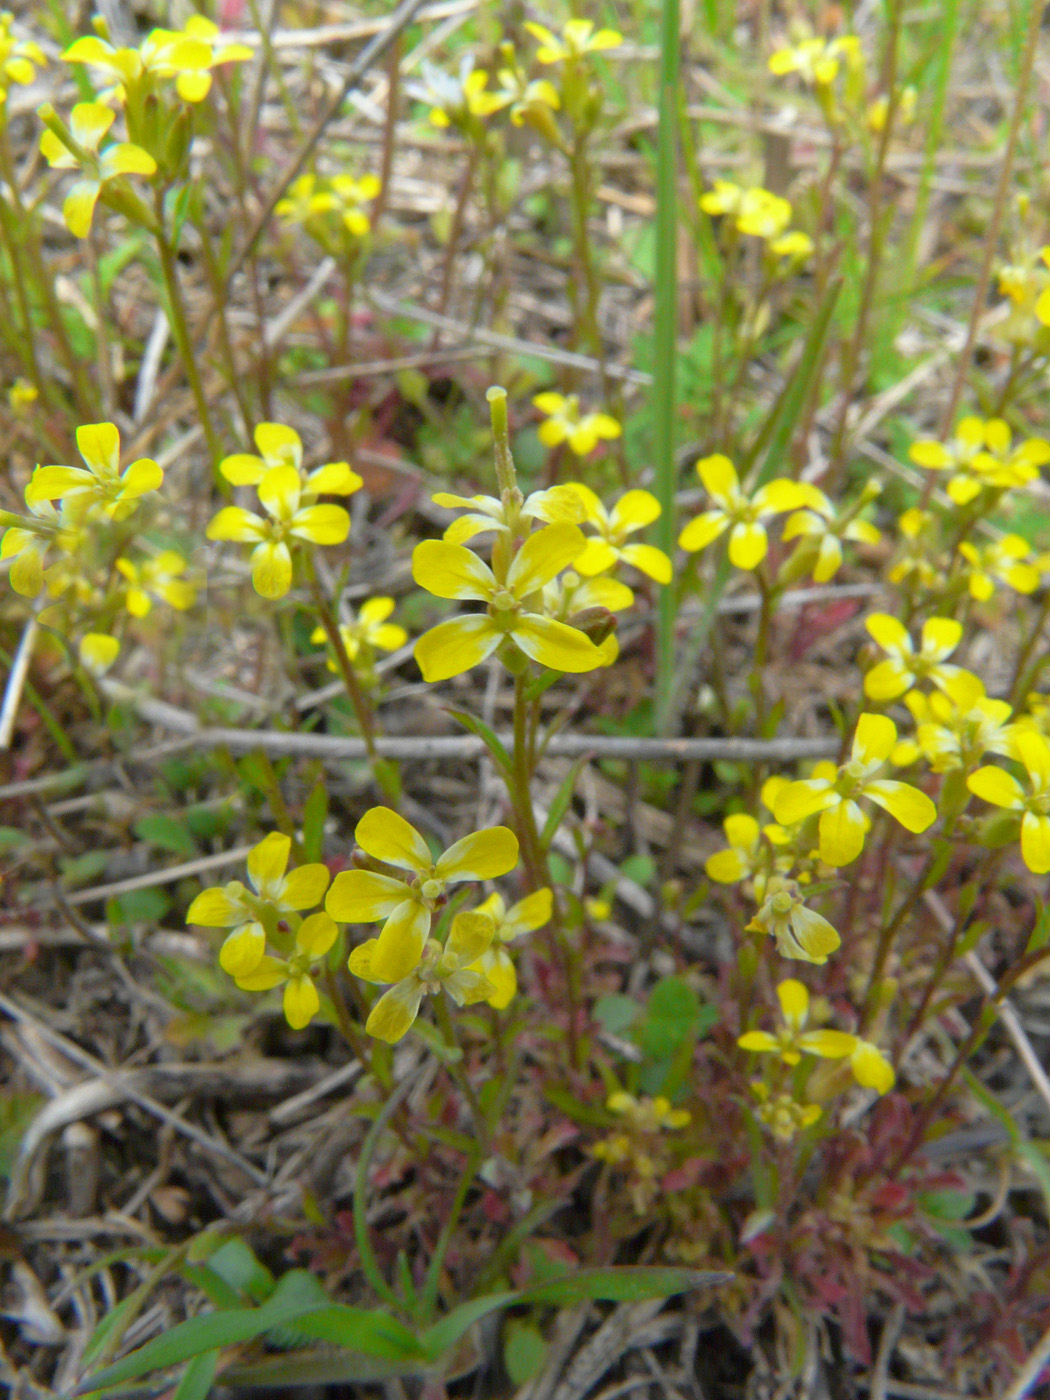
column 183, row 340
column 454, row 1065
column 999, row 204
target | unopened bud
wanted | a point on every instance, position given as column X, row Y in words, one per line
column 596, row 623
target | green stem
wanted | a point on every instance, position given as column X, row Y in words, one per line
column 183, row 340
column 366, row 1254
column 454, row 1065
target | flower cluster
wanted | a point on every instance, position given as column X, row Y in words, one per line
column 757, row 213
column 269, row 916
column 638, row 1146
column 981, row 459
column 334, row 212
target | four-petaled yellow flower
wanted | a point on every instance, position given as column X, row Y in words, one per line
column 633, row 511
column 19, row 58
column 188, row 55
column 558, row 505
column 100, row 488
column 981, row 456
column 88, row 124
column 578, row 38
column 904, row 665
column 1002, row 789
column 407, row 902
column 800, row 933
column 452, row 969
column 452, row 571
column 159, row 577
column 313, row 939
column 740, row 514
column 1008, row 560
column 367, row 631
column 529, row 914
column 460, row 100
column 792, row 1040
column 27, row 545
column 843, row 825
column 280, row 446
column 754, row 211
column 816, row 61
column 820, row 530
column 280, row 492
column 956, row 728
column 273, row 896
column 565, row 423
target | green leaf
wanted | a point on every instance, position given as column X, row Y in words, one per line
column 621, row 1284
column 670, row 1018
column 236, row 1263
column 524, row 1351
column 11, row 838
column 947, row 1204
column 16, row 1112
column 560, row 805
column 197, row 1377
column 373, row 1333
column 476, row 726
column 616, row 1013
column 169, row 833
column 315, row 814
column 138, row 907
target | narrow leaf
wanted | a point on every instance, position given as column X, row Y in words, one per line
column 560, row 805
column 476, row 726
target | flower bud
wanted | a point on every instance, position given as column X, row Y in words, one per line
column 597, row 623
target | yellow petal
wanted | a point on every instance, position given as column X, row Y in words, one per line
column 543, row 556
column 481, row 856
column 726, row 867
column 829, row 1045
column 267, row 863
column 469, row 937
column 888, row 680
column 400, row 944
column 912, row 808
column 142, row 476
column 214, row 908
column 1035, row 842
column 388, row 837
column 395, row 1011
column 794, row 1001
column 527, row 915
column 555, row 644
column 842, row 829
column 301, row 1002
column 243, row 950
column 748, row 545
column 758, row 1041
column 316, row 935
column 234, row 523
column 889, row 632
column 874, row 739
column 497, row 966
column 452, row 571
column 996, row 786
column 305, row 887
column 243, row 469
column 363, row 896
column 271, row 568
column 596, row 557
column 126, row 159
column 796, row 801
column 279, row 492
column 871, row 1069
column 718, row 475
column 455, row 646
column 97, row 652
column 78, row 210
column 269, row 973
column 699, row 533
column 940, row 636
column 649, row 560
column 321, row 524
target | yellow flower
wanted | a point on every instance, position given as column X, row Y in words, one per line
column 754, row 211
column 21, row 396
column 88, row 124
column 647, row 1115
column 452, row 571
column 188, row 55
column 349, row 195
column 633, row 511
column 531, row 100
column 956, row 728
column 816, row 61
column 800, row 933
column 100, row 488
column 529, row 914
column 279, row 493
column 253, row 913
column 842, row 823
column 565, row 423
column 905, row 666
column 570, row 594
column 19, row 58
column 783, row 1115
column 407, row 902
column 738, row 513
column 1002, row 789
column 280, row 446
column 1008, row 560
column 748, row 855
column 917, row 564
column 558, row 505
column 313, row 939
column 452, row 969
column 366, row 632
column 981, row 456
column 578, row 38
column 461, row 100
column 156, row 578
column 28, row 544
column 792, row 1040
column 97, row 652
column 820, row 530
